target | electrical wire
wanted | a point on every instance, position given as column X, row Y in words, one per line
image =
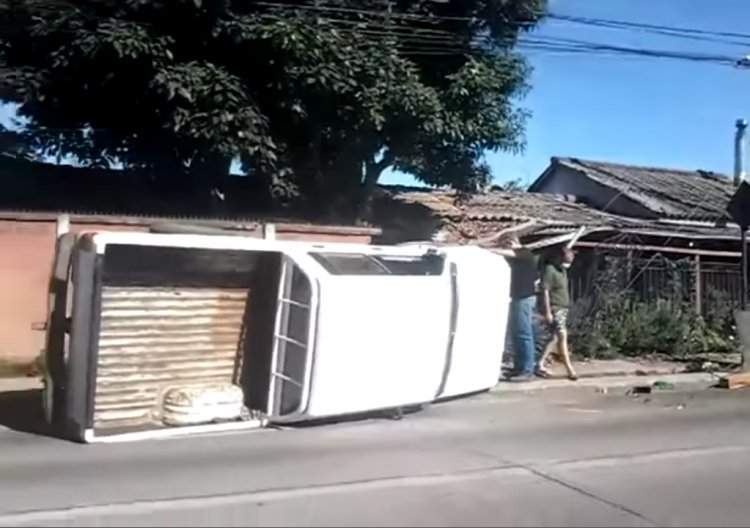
column 543, row 44
column 600, row 22
column 437, row 44
column 414, row 39
column 643, row 26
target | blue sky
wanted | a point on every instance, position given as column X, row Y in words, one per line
column 629, row 109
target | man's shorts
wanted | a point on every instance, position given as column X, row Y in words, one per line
column 559, row 320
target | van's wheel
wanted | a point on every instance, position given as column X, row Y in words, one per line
column 397, row 413
column 48, row 399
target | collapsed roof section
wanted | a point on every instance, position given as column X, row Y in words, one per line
column 540, row 219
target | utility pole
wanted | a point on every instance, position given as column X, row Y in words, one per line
column 739, row 151
column 739, row 177
column 739, row 209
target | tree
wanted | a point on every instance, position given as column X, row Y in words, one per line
column 515, row 185
column 13, row 144
column 316, row 98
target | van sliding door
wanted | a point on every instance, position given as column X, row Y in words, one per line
column 292, row 350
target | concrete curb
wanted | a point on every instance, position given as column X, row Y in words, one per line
column 694, row 380
column 691, row 380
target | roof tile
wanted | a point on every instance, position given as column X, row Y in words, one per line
column 667, row 192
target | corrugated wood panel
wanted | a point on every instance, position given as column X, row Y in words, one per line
column 152, row 339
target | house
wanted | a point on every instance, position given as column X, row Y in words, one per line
column 656, row 252
column 682, row 219
column 409, row 213
column 640, row 192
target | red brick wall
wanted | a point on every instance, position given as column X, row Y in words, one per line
column 25, row 264
column 26, row 261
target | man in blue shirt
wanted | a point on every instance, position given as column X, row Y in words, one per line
column 524, row 276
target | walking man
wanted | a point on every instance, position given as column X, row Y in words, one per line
column 555, row 305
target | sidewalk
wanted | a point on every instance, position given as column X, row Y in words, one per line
column 599, row 368
column 591, row 373
column 697, row 380
column 604, row 374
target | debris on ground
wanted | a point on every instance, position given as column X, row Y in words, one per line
column 639, row 389
column 740, row 380
column 713, row 363
column 647, row 389
column 709, row 366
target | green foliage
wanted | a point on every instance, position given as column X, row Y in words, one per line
column 515, row 185
column 318, row 102
column 619, row 325
column 14, row 145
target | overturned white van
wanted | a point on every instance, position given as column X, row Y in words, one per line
column 164, row 334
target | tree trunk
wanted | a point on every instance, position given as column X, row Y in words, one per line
column 373, row 170
column 333, row 195
column 208, row 178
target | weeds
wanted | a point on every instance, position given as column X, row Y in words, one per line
column 616, row 320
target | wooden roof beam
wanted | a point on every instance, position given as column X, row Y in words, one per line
column 660, row 249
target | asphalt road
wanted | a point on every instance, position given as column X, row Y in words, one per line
column 562, row 458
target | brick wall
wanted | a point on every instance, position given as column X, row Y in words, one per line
column 25, row 264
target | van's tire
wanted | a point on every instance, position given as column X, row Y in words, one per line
column 48, row 399
column 398, row 413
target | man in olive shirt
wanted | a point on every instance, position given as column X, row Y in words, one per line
column 555, row 305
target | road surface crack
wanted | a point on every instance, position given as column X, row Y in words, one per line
column 568, row 485
column 589, row 494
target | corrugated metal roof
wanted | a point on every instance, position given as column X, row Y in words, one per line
column 39, row 191
column 489, row 212
column 671, row 193
column 509, row 206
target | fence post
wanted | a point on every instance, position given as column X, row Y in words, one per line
column 628, row 268
column 269, row 231
column 62, row 225
column 698, row 285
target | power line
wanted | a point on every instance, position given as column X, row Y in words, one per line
column 622, row 24
column 435, row 44
column 549, row 44
column 366, row 12
column 418, row 40
column 675, row 31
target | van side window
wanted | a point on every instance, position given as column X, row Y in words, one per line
column 361, row 264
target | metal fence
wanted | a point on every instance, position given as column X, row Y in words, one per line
column 709, row 288
column 704, row 285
